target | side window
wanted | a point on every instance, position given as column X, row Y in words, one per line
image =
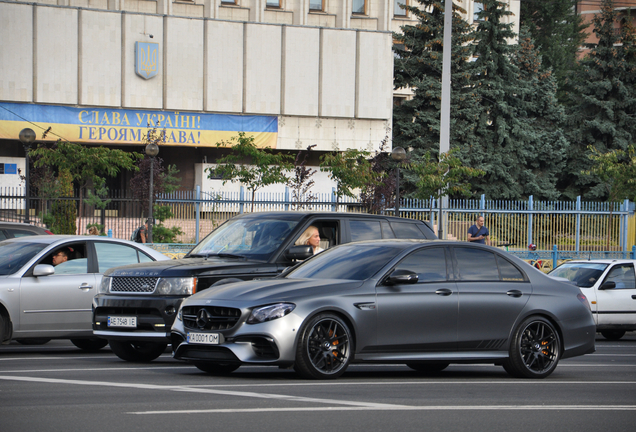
column 365, row 230
column 623, row 276
column 3, row 236
column 22, row 233
column 143, row 258
column 68, row 259
column 404, row 230
column 114, row 255
column 476, row 265
column 329, row 233
column 428, row 263
column 508, row 272
column 387, row 232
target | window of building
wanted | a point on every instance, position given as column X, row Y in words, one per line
column 274, row 4
column 317, row 5
column 232, row 2
column 398, row 10
column 477, row 8
column 359, row 7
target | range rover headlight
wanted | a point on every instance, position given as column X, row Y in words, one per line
column 104, row 286
column 177, row 286
column 270, row 312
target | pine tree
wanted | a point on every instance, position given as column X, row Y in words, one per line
column 558, row 32
column 418, row 66
column 605, row 108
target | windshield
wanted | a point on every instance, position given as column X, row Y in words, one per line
column 352, row 262
column 583, row 275
column 14, row 255
column 249, row 238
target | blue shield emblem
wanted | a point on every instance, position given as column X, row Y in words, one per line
column 146, row 59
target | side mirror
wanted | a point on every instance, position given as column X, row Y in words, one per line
column 400, row 277
column 43, row 270
column 299, row 252
column 608, row 285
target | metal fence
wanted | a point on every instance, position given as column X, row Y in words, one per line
column 576, row 228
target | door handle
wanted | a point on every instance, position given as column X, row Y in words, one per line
column 514, row 293
column 634, row 297
column 85, row 286
column 443, row 292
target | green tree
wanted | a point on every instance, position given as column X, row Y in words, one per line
column 63, row 211
column 254, row 167
column 350, row 169
column 160, row 232
column 605, row 103
column 558, row 32
column 301, row 182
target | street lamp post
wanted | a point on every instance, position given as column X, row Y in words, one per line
column 398, row 154
column 27, row 137
column 152, row 150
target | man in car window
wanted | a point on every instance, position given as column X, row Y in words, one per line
column 60, row 257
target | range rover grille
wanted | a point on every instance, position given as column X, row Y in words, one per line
column 134, row 284
column 210, row 317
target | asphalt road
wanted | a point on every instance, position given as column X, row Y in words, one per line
column 56, row 387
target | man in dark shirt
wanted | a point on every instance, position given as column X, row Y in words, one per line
column 478, row 232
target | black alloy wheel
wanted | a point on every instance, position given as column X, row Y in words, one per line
column 217, row 368
column 325, row 347
column 613, row 335
column 90, row 345
column 137, row 352
column 535, row 349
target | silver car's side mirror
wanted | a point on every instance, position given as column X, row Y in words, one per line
column 43, row 270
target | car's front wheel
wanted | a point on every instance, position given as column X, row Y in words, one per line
column 324, row 348
column 90, row 345
column 535, row 349
column 138, row 352
column 613, row 335
column 217, row 368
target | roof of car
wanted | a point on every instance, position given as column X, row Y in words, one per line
column 296, row 215
column 602, row 261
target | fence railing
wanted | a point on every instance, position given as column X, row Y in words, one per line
column 577, row 228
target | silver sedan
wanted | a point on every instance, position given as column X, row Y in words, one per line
column 425, row 304
column 47, row 285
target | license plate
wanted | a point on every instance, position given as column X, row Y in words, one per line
column 203, row 338
column 122, row 321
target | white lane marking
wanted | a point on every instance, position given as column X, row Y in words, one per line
column 405, row 408
column 186, row 389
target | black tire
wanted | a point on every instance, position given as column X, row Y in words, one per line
column 217, row 368
column 613, row 335
column 137, row 352
column 90, row 345
column 535, row 349
column 325, row 347
column 428, row 368
column 34, row 341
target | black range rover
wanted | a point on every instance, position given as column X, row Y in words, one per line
column 136, row 304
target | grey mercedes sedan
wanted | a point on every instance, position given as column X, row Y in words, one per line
column 47, row 285
column 425, row 304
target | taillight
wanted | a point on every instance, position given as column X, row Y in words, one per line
column 49, row 232
column 583, row 300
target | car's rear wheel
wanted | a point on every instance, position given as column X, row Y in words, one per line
column 217, row 368
column 324, row 348
column 33, row 341
column 138, row 352
column 90, row 345
column 428, row 368
column 535, row 349
column 613, row 335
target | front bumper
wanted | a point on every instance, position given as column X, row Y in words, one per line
column 155, row 315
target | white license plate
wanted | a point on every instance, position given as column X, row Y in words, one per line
column 203, row 338
column 122, row 321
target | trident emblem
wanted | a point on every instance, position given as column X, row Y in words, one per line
column 146, row 56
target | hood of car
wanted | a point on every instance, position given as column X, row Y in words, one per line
column 186, row 267
column 273, row 290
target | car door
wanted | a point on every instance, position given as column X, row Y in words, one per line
column 420, row 317
column 492, row 293
column 61, row 302
column 617, row 305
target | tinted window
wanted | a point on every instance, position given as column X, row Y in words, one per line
column 623, row 276
column 3, row 236
column 429, row 264
column 387, row 232
column 353, row 262
column 404, row 230
column 508, row 272
column 114, row 255
column 21, row 233
column 476, row 265
column 14, row 255
column 365, row 230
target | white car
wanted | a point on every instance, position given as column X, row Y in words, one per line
column 40, row 300
column 610, row 287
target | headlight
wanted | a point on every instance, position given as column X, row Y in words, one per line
column 270, row 312
column 177, row 286
column 104, row 287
